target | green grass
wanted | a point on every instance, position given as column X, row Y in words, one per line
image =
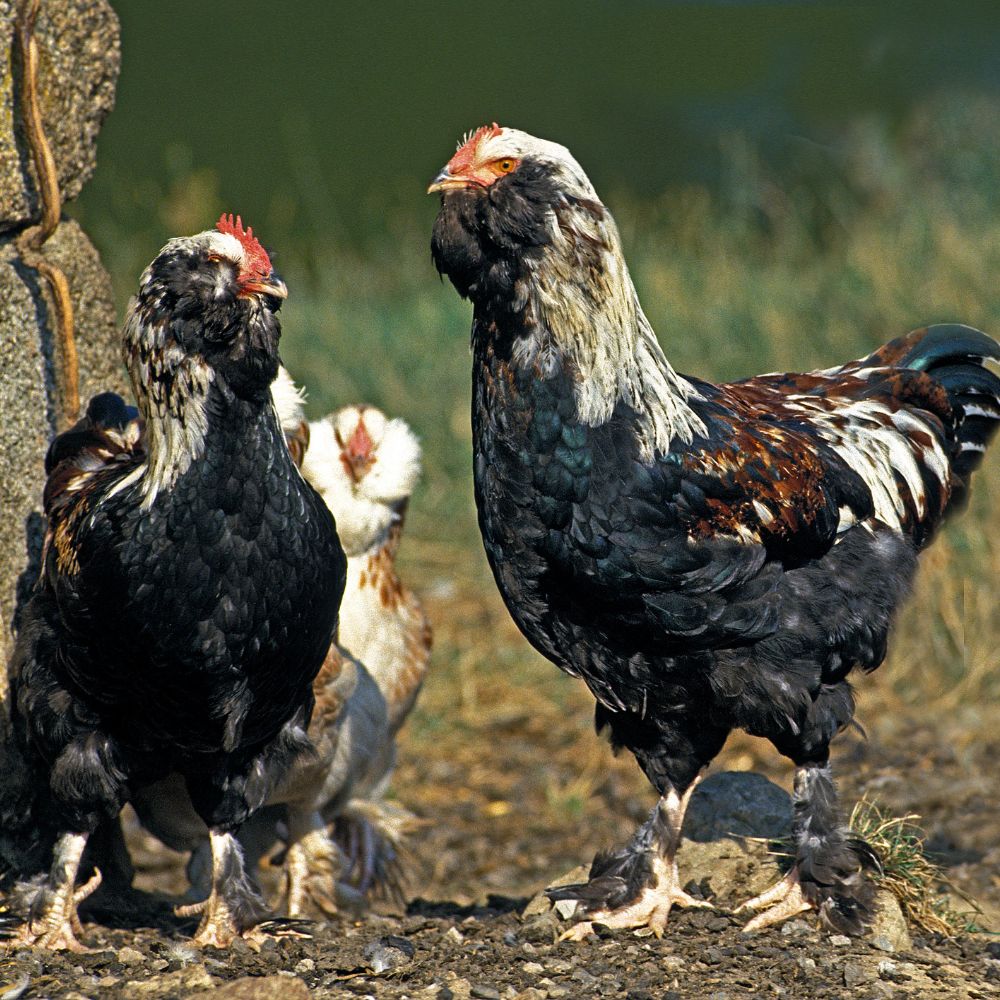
column 907, row 872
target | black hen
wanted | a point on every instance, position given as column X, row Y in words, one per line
column 189, row 589
column 704, row 556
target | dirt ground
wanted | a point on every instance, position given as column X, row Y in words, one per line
column 518, row 808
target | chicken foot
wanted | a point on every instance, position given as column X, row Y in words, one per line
column 234, row 907
column 655, row 844
column 312, row 864
column 56, row 925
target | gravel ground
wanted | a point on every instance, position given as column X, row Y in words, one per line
column 500, row 827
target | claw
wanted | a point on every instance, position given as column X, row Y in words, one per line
column 651, row 909
column 787, row 899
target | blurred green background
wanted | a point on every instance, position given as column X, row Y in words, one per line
column 795, row 183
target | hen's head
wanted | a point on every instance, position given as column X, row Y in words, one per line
column 504, row 198
column 365, row 467
column 208, row 303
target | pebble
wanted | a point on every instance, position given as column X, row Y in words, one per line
column 886, row 969
column 565, row 908
column 855, row 974
column 306, row 965
column 454, row 935
column 839, row 940
column 795, row 928
column 130, row 956
column 533, row 968
column 806, row 964
column 484, row 992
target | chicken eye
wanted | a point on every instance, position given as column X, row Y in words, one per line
column 505, row 166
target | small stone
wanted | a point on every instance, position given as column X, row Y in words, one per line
column 886, row 969
column 159, row 965
column 306, row 965
column 583, row 977
column 855, row 974
column 795, row 928
column 484, row 992
column 258, row 988
column 889, row 931
column 806, row 964
column 532, row 969
column 839, row 940
column 510, row 939
column 183, row 982
column 555, row 991
column 565, row 908
column 454, row 935
column 130, row 956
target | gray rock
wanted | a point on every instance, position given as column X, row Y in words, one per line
column 738, row 804
column 28, row 396
column 79, row 58
column 889, row 931
column 855, row 974
column 484, row 991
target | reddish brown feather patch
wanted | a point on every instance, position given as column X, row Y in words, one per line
column 257, row 263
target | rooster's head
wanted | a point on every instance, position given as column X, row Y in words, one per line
column 207, row 301
column 205, row 315
column 504, row 196
column 365, row 467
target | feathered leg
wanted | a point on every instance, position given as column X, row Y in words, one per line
column 639, row 885
column 312, row 864
column 830, row 863
column 52, row 905
column 234, row 906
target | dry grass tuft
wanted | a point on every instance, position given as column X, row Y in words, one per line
column 909, row 874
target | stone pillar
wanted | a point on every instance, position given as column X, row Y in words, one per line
column 78, row 62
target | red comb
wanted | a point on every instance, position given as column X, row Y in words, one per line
column 466, row 153
column 257, row 264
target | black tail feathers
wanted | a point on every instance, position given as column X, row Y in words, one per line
column 956, row 357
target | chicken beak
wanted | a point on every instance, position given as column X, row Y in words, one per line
column 447, row 181
column 273, row 285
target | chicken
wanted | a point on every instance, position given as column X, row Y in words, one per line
column 705, row 557
column 189, row 592
column 365, row 467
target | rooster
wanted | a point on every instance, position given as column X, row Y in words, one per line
column 705, row 557
column 189, row 592
column 365, row 468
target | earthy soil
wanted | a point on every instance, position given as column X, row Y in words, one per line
column 495, row 836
